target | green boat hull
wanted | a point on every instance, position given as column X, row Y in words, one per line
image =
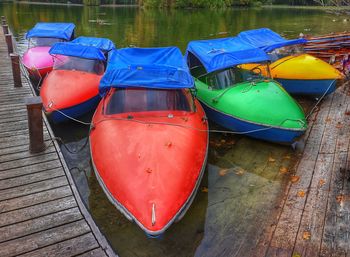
column 261, row 109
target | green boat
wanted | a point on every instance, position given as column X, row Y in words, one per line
column 242, row 100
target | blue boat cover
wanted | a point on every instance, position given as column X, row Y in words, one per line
column 52, row 30
column 163, row 68
column 267, row 39
column 102, row 43
column 71, row 49
column 218, row 54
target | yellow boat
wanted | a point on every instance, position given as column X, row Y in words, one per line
column 301, row 74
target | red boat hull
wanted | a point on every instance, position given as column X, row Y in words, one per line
column 63, row 89
column 150, row 166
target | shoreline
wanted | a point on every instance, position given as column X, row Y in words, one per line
column 321, row 8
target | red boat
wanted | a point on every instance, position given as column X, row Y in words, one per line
column 148, row 144
column 71, row 89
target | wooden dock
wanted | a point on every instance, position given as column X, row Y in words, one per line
column 41, row 212
column 313, row 219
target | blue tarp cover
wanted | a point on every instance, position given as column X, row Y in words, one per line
column 218, row 54
column 52, row 30
column 102, row 43
column 71, row 49
column 267, row 39
column 163, row 68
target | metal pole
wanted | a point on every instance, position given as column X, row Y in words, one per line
column 16, row 70
column 35, row 124
column 9, row 43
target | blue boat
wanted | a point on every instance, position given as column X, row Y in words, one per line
column 239, row 99
column 71, row 89
column 300, row 74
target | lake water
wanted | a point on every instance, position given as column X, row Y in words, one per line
column 245, row 179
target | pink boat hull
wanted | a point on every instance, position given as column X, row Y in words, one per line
column 38, row 61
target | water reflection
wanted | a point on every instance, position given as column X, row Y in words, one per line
column 245, row 178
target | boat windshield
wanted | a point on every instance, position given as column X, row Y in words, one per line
column 228, row 77
column 44, row 41
column 62, row 62
column 147, row 100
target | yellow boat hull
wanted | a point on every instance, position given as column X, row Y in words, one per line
column 298, row 67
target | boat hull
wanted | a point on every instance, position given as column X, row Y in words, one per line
column 38, row 62
column 147, row 166
column 67, row 93
column 312, row 87
column 258, row 131
column 74, row 112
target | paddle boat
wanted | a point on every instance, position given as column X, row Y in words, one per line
column 239, row 99
column 149, row 136
column 37, row 59
column 299, row 73
column 71, row 88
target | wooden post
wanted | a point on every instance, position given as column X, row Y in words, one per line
column 9, row 43
column 35, row 124
column 3, row 20
column 5, row 28
column 16, row 70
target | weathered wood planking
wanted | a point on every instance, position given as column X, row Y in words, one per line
column 312, row 217
column 41, row 213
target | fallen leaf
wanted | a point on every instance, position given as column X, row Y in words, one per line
column 306, row 235
column 301, row 193
column 283, row 170
column 204, row 189
column 223, row 172
column 328, row 120
column 271, row 159
column 296, row 255
column 339, row 125
column 340, row 198
column 223, row 141
column 286, row 157
column 322, row 182
column 347, row 113
column 240, row 172
column 294, row 179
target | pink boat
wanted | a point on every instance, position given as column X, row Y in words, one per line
column 37, row 59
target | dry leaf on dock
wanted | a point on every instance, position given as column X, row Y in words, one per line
column 283, row 170
column 294, row 179
column 306, row 235
column 322, row 182
column 301, row 193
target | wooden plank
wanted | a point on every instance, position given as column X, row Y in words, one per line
column 21, row 146
column 17, row 132
column 94, row 253
column 35, row 198
column 30, row 169
column 25, row 154
column 71, row 247
column 32, row 188
column 37, row 210
column 312, row 221
column 28, row 161
column 31, row 178
column 332, row 240
column 21, row 138
column 39, row 224
column 14, row 126
column 39, row 240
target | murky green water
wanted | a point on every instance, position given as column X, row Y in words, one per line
column 245, row 178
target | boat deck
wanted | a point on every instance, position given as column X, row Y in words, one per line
column 41, row 213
